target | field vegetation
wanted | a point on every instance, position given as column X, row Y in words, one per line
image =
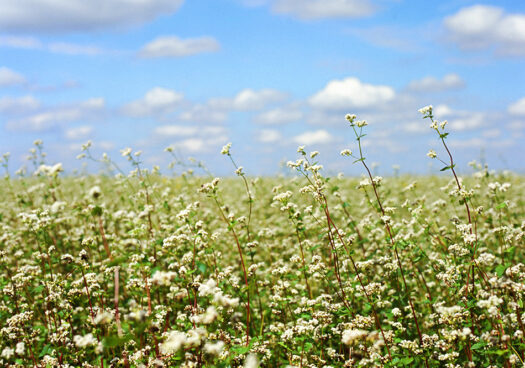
column 143, row 270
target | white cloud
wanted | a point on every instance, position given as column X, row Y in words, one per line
column 248, row 100
column 278, row 116
column 416, row 127
column 80, row 132
column 518, row 107
column 351, row 93
column 468, row 122
column 482, row 26
column 17, row 105
column 181, row 130
column 44, row 120
column 172, row 46
column 269, row 136
column 441, row 111
column 157, row 100
column 476, row 142
column 517, row 125
column 175, row 130
column 491, row 133
column 314, row 137
column 319, row 9
column 200, row 145
column 203, row 113
column 74, row 49
column 20, row 42
column 80, row 15
column 32, row 43
column 9, row 77
column 432, row 84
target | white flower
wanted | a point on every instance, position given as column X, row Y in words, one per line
column 226, row 149
column 7, row 353
column 125, row 152
column 346, row 152
column 427, row 110
column 349, row 336
column 95, row 192
column 20, row 348
column 432, row 154
column 251, row 361
column 361, row 123
column 214, row 348
column 173, row 343
column 85, row 341
column 350, row 118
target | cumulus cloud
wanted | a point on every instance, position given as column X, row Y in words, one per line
column 81, row 132
column 269, row 136
column 432, row 84
column 518, row 107
column 32, row 43
column 248, row 100
column 314, row 137
column 74, row 49
column 351, row 93
column 203, row 113
column 55, row 116
column 174, row 47
column 18, row 105
column 80, row 15
column 9, row 77
column 278, row 116
column 200, row 144
column 184, row 131
column 482, row 26
column 20, row 42
column 319, row 9
column 156, row 101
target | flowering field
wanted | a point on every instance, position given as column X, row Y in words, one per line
column 142, row 270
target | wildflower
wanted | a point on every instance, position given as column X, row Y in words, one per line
column 346, row 152
column 7, row 352
column 20, row 348
column 85, row 341
column 361, row 123
column 350, row 118
column 86, row 145
column 350, row 336
column 313, row 154
column 103, row 318
column 95, row 192
column 427, row 110
column 432, row 154
column 173, row 343
column 214, row 348
column 251, row 361
column 226, row 149
column 126, row 152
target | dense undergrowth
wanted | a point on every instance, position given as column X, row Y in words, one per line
column 307, row 271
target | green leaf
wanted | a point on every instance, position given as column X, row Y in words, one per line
column 478, row 345
column 500, row 270
column 445, row 168
column 501, row 205
column 97, row 211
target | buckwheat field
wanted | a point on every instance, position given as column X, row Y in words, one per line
column 144, row 270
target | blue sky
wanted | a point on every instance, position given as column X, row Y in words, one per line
column 266, row 75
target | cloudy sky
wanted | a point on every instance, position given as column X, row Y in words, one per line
column 266, row 75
